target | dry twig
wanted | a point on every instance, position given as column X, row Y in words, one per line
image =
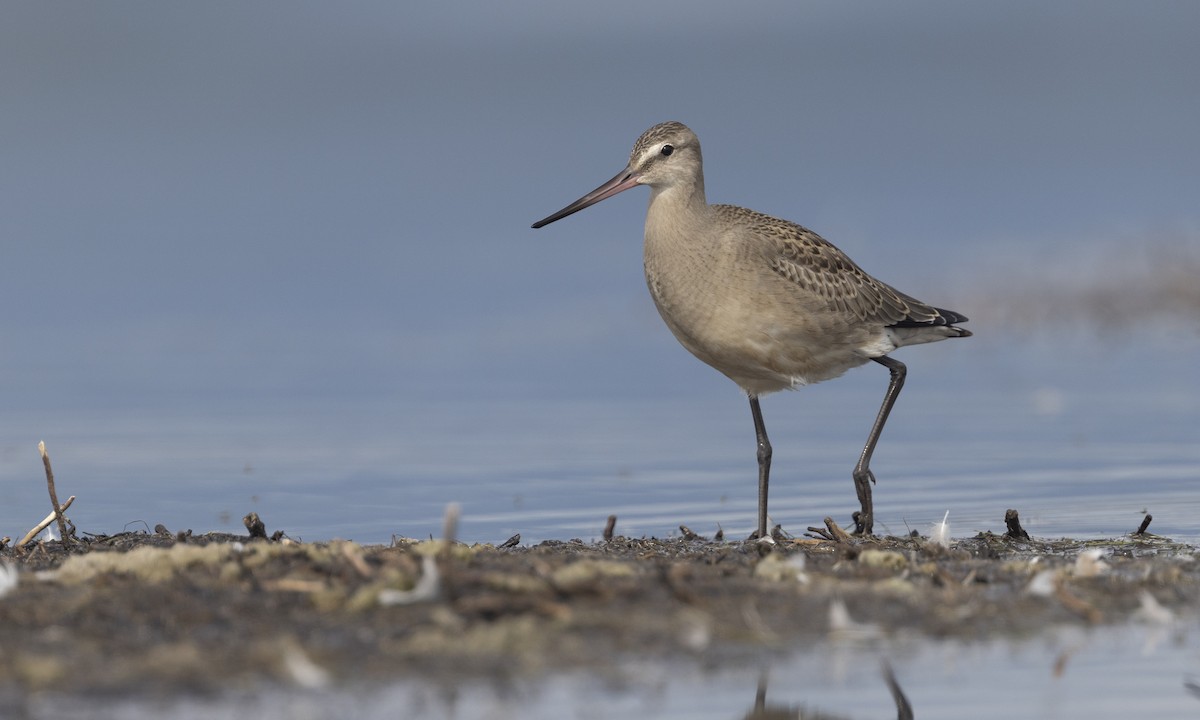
column 1145, row 524
column 54, row 506
column 831, row 532
column 46, row 523
column 255, row 526
column 1013, row 520
column 513, row 541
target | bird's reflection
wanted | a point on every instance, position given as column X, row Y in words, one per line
column 763, row 711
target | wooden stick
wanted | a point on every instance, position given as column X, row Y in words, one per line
column 1012, row 519
column 513, row 541
column 1145, row 524
column 836, row 532
column 255, row 526
column 56, row 510
column 46, row 523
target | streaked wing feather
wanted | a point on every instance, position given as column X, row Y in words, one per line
column 810, row 261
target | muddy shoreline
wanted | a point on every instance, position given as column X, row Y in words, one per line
column 156, row 614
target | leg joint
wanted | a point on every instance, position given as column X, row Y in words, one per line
column 764, row 449
column 895, row 367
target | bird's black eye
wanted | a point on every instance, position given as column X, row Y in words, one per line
column 667, row 150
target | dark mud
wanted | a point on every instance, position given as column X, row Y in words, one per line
column 157, row 614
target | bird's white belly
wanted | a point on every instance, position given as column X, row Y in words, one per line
column 764, row 356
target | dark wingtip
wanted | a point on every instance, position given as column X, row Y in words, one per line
column 943, row 318
column 950, row 317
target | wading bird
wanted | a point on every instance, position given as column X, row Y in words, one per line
column 770, row 304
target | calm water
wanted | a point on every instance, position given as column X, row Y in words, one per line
column 1081, row 446
column 1064, row 674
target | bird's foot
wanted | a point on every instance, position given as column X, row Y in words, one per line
column 777, row 535
column 864, row 523
column 864, row 520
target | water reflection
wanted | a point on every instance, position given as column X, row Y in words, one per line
column 764, row 711
column 1111, row 673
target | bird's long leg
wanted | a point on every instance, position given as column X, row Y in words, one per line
column 764, row 464
column 864, row 520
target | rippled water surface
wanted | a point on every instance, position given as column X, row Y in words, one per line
column 1081, row 449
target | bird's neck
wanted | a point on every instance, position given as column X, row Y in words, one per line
column 677, row 205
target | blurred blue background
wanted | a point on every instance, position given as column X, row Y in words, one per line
column 277, row 256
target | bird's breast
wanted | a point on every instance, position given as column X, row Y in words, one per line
column 744, row 322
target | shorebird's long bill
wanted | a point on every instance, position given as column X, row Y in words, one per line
column 621, row 181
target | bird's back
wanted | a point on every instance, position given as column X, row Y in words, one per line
column 774, row 305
